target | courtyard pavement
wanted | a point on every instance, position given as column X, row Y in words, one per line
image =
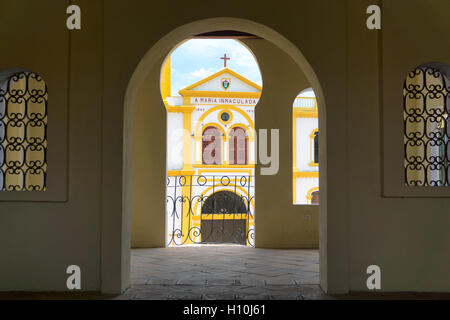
column 224, row 272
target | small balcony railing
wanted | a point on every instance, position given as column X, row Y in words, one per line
column 305, row 102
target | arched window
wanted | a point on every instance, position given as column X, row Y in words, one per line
column 314, row 137
column 315, row 197
column 23, row 131
column 238, row 146
column 426, row 105
column 212, row 146
column 312, row 196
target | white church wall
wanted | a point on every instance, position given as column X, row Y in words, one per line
column 174, row 141
column 174, row 101
column 196, row 151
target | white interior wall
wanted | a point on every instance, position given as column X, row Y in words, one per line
column 305, row 127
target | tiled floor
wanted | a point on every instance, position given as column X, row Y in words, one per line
column 224, row 272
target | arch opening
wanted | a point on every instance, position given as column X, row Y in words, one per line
column 154, row 56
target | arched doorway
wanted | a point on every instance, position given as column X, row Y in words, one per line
column 224, row 218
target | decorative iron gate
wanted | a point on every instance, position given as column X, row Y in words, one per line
column 210, row 209
column 426, row 104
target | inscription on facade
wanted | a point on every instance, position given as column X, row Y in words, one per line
column 233, row 101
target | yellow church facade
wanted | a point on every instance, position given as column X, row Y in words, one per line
column 211, row 159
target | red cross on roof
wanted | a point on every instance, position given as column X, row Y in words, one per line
column 224, row 58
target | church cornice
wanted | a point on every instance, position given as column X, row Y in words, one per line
column 220, row 94
column 304, row 174
column 183, row 109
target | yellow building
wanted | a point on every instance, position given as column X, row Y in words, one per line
column 305, row 184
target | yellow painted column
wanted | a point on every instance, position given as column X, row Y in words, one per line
column 165, row 79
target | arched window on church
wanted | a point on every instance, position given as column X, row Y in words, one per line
column 212, row 145
column 315, row 150
column 426, row 105
column 23, row 131
column 237, row 146
column 315, row 197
